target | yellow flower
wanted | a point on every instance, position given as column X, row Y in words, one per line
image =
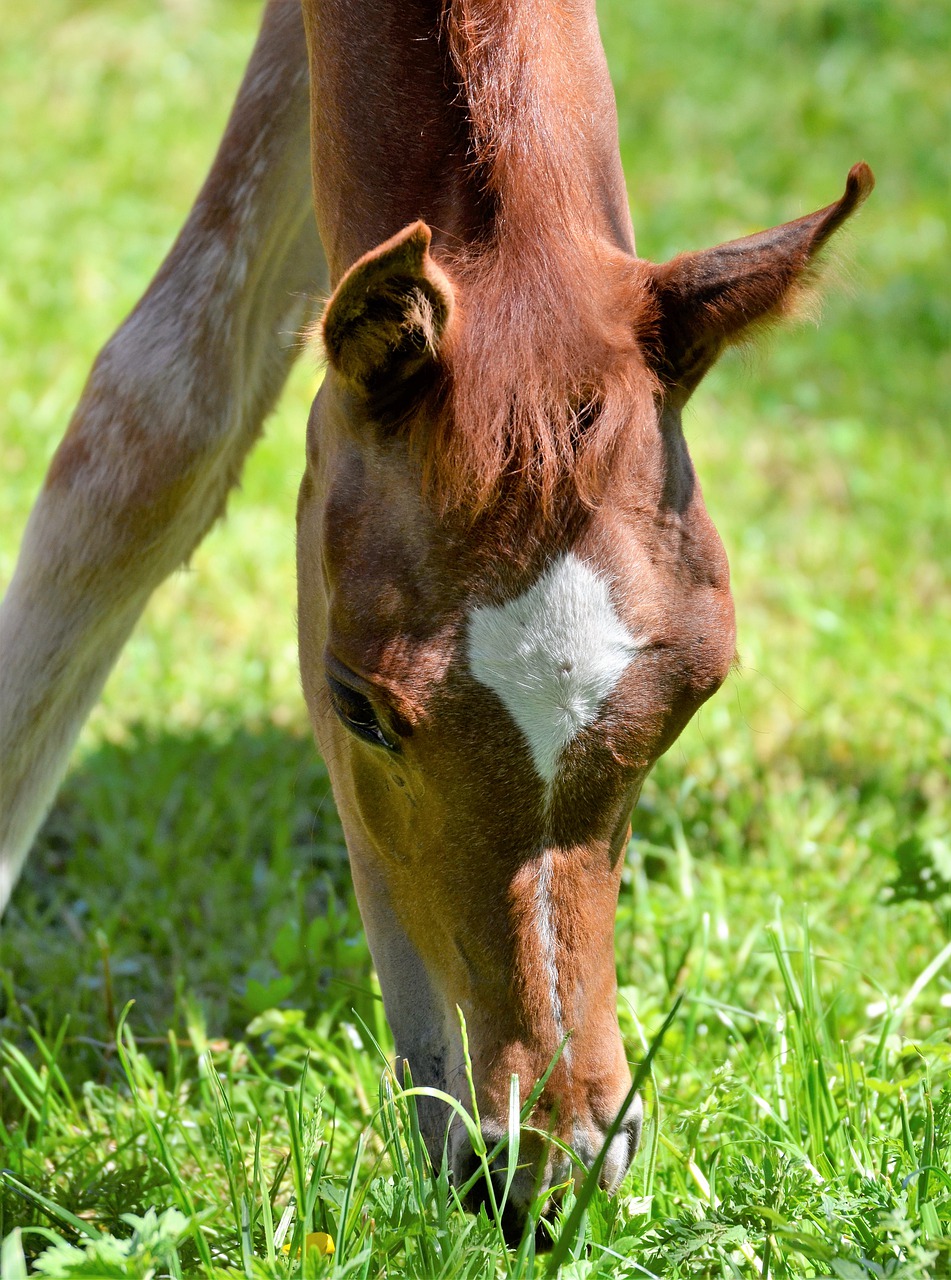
column 321, row 1241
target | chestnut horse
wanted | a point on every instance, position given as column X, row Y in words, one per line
column 511, row 597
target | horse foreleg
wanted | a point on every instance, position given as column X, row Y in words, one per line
column 174, row 401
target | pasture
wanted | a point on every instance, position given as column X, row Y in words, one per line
column 193, row 1048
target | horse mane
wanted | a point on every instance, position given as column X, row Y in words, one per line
column 546, row 380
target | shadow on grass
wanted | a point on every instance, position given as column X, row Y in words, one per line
column 202, row 876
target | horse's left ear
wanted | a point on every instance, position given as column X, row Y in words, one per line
column 709, row 299
column 388, row 314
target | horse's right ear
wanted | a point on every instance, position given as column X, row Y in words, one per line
column 707, row 300
column 387, row 316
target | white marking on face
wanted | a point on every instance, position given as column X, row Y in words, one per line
column 546, row 933
column 552, row 655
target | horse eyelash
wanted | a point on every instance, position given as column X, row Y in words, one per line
column 356, row 711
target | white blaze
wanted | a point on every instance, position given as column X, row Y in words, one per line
column 547, row 936
column 552, row 656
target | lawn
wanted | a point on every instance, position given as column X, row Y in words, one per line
column 790, row 870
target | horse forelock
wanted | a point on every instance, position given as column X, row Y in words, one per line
column 545, row 375
column 548, row 388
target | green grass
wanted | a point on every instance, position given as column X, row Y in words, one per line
column 791, row 867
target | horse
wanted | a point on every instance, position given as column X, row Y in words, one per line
column 511, row 597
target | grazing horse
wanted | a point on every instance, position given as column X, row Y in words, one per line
column 511, row 597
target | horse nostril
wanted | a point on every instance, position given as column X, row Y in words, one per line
column 466, row 1167
column 620, row 1154
column 634, row 1122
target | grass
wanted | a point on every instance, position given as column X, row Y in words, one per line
column 791, row 865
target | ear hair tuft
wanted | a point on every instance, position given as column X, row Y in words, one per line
column 388, row 314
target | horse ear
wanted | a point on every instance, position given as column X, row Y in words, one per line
column 709, row 299
column 387, row 316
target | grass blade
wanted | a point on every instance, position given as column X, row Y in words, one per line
column 573, row 1222
column 50, row 1207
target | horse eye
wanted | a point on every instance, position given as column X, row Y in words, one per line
column 356, row 712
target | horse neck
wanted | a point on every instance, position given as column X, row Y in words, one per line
column 482, row 117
